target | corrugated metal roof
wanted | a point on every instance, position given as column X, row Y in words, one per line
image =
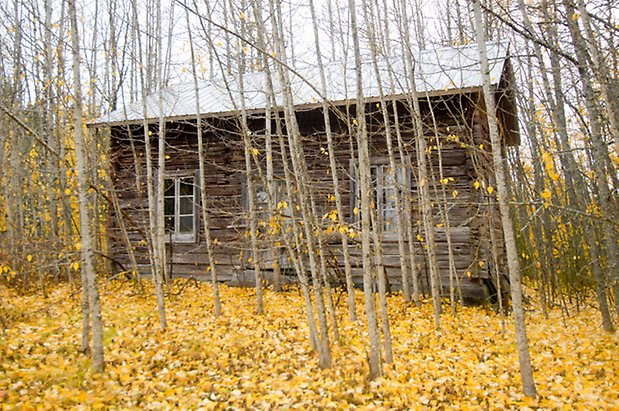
column 445, row 69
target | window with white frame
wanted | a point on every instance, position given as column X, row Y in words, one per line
column 386, row 183
column 180, row 208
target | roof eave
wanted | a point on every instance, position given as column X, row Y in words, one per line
column 300, row 107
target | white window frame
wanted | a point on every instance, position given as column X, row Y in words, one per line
column 175, row 235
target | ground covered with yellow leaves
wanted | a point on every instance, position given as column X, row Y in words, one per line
column 245, row 361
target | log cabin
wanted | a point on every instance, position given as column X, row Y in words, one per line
column 465, row 213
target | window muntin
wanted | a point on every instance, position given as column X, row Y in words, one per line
column 180, row 208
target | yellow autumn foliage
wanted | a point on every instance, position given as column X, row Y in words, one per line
column 245, row 361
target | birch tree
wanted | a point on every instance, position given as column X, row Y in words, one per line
column 526, row 372
column 421, row 150
column 155, row 237
column 202, row 180
column 89, row 280
column 304, row 190
column 365, row 189
column 352, row 310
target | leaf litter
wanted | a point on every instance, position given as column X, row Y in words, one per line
column 245, row 361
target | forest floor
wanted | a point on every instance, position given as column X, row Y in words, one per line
column 245, row 361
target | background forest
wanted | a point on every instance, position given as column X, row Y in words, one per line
column 64, row 64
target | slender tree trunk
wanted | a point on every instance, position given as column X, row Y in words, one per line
column 422, row 164
column 159, row 208
column 251, row 193
column 87, row 266
column 352, row 310
column 202, row 182
column 599, row 151
column 304, row 189
column 602, row 73
column 294, row 252
column 406, row 211
column 157, row 260
column 394, row 168
column 526, row 371
column 365, row 188
column 297, row 257
column 573, row 177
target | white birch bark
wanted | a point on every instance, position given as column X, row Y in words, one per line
column 87, row 254
column 526, row 371
column 202, row 183
column 156, row 258
column 422, row 165
column 352, row 310
column 304, row 192
column 369, row 269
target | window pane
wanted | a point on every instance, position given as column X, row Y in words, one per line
column 168, row 208
column 390, row 220
column 169, row 224
column 186, row 224
column 374, row 173
column 168, row 186
column 389, row 200
column 186, row 186
column 186, row 205
column 262, row 197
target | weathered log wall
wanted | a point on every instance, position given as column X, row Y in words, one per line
column 454, row 127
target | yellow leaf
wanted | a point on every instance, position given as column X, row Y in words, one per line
column 29, row 258
column 490, row 189
column 355, row 211
column 67, row 192
column 476, row 185
column 78, row 246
